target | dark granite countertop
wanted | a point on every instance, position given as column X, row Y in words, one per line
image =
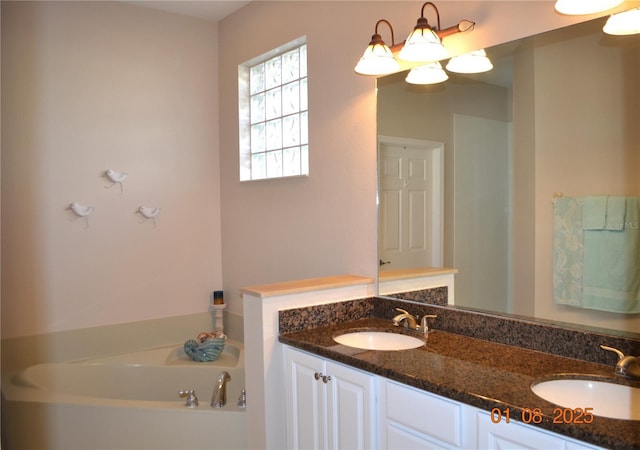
column 477, row 372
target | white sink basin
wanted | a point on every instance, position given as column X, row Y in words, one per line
column 615, row 401
column 378, row 340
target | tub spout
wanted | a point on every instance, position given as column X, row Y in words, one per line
column 219, row 396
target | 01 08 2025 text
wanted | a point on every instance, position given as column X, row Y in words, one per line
column 535, row 415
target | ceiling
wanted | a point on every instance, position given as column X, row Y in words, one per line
column 211, row 10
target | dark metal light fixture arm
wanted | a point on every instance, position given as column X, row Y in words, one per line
column 393, row 41
column 437, row 13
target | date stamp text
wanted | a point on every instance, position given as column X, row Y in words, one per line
column 534, row 415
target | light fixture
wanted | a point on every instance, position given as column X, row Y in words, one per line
column 377, row 58
column 578, row 7
column 430, row 73
column 472, row 62
column 623, row 23
column 424, row 44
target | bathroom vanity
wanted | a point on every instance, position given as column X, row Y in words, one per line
column 340, row 413
column 468, row 387
column 456, row 391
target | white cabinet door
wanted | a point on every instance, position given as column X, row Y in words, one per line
column 329, row 405
column 306, row 402
column 350, row 407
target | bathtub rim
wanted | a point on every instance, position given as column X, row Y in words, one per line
column 16, row 390
column 20, row 352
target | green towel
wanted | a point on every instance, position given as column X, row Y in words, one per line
column 616, row 210
column 611, row 271
column 594, row 212
column 567, row 251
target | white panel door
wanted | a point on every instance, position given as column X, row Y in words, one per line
column 411, row 203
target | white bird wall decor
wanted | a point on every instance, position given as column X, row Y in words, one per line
column 83, row 211
column 149, row 213
column 115, row 178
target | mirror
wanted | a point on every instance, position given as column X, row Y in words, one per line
column 558, row 116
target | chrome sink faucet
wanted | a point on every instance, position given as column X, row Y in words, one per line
column 627, row 366
column 219, row 396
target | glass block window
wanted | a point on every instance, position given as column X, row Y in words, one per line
column 274, row 141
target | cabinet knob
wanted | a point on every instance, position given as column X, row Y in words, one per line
column 320, row 376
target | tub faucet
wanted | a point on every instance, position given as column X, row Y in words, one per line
column 219, row 396
column 190, row 395
column 410, row 321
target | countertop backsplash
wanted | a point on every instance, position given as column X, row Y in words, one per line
column 548, row 337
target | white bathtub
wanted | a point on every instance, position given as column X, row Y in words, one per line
column 127, row 401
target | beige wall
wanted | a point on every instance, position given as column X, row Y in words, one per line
column 597, row 155
column 323, row 224
column 326, row 224
column 88, row 86
column 524, row 153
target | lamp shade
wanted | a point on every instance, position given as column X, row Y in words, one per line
column 472, row 62
column 377, row 60
column 423, row 45
column 624, row 23
column 431, row 73
column 578, row 7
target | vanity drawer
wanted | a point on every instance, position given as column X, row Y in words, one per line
column 515, row 434
column 425, row 413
